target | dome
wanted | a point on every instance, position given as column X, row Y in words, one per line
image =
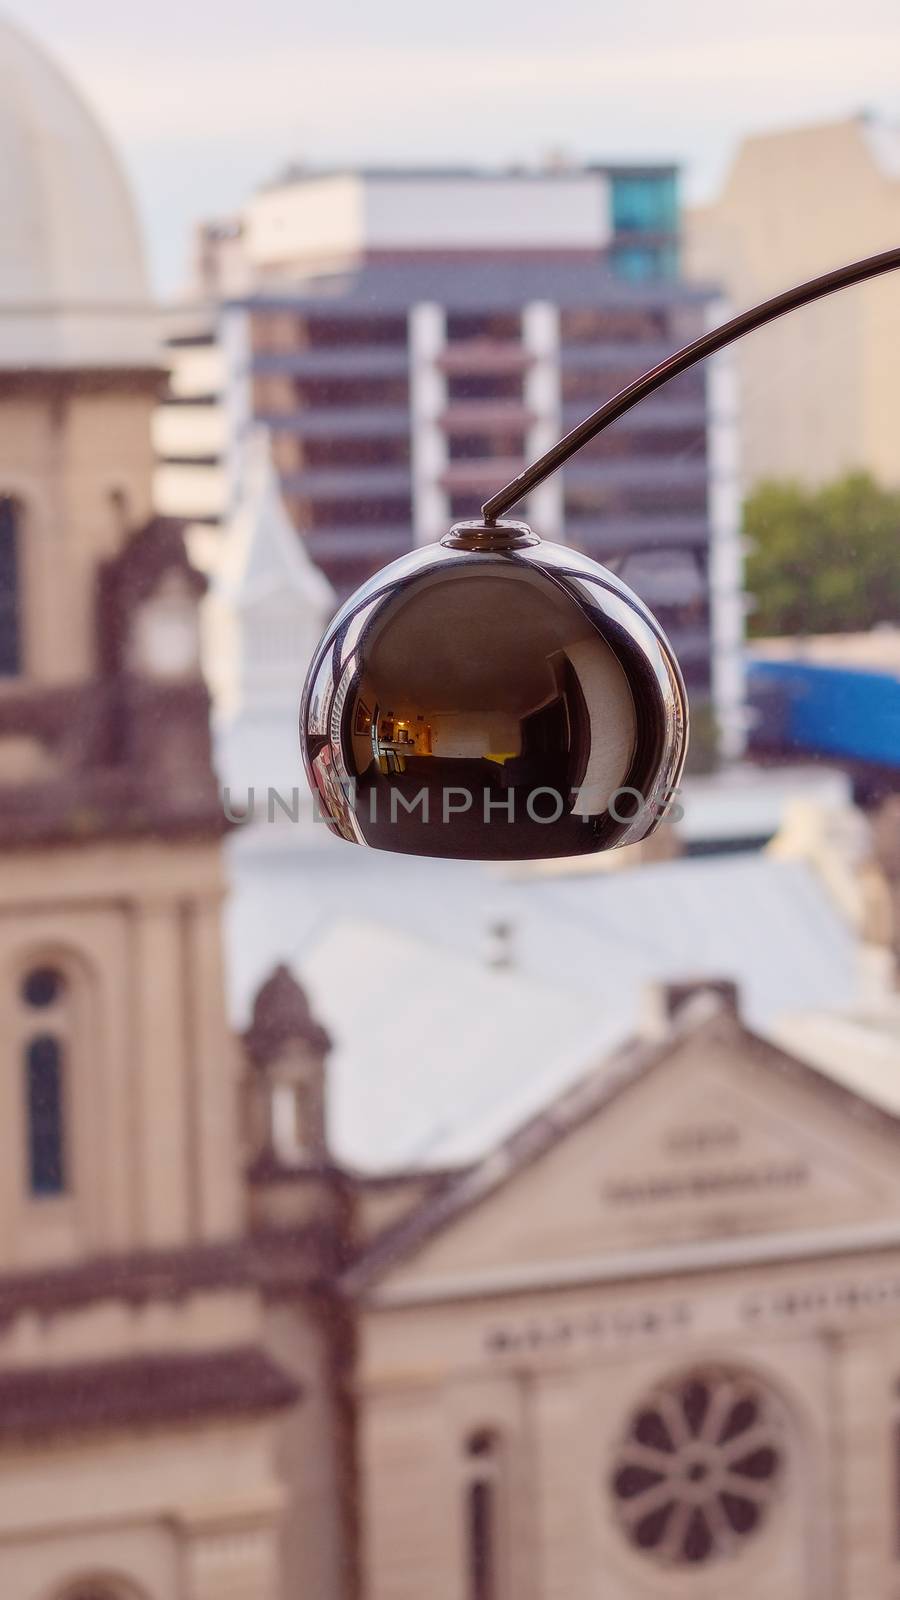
column 73, row 285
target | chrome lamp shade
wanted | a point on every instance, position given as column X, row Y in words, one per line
column 494, row 697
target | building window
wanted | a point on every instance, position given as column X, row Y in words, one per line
column 644, row 263
column 698, row 1468
column 482, row 1516
column 10, row 586
column 43, row 999
column 484, row 386
column 645, row 202
column 99, row 1591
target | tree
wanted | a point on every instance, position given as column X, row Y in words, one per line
column 823, row 560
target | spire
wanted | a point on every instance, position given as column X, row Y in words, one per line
column 281, row 1016
column 268, row 553
column 278, row 599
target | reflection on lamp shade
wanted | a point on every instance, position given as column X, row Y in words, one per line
column 494, row 697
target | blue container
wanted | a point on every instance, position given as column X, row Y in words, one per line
column 839, row 711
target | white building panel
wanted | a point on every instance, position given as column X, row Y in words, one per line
column 195, row 370
column 482, row 213
column 315, row 219
column 331, row 219
column 188, row 491
column 189, row 431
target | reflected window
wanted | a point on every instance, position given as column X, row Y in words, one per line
column 10, row 590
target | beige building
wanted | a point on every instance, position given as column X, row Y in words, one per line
column 138, row 1403
column 818, row 390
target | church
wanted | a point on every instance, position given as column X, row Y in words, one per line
column 637, row 1342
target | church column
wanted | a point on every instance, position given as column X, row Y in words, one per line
column 864, row 1377
column 412, row 1521
column 159, row 1039
column 215, row 1156
column 555, row 1416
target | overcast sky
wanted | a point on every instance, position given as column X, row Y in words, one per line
column 207, row 97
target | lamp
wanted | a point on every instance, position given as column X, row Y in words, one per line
column 499, row 697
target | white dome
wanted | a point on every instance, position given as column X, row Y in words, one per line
column 73, row 286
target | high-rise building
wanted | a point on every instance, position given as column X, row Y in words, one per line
column 411, row 339
column 818, row 390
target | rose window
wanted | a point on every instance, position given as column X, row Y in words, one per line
column 698, row 1467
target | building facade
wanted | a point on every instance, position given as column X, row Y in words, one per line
column 817, row 389
column 410, row 340
column 140, row 1404
column 647, row 1349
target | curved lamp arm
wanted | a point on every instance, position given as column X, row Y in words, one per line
column 698, row 350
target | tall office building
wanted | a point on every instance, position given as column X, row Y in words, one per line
column 411, row 338
column 818, row 390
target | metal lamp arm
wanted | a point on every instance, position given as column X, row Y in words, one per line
column 707, row 345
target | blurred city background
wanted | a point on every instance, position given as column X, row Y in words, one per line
column 371, row 1227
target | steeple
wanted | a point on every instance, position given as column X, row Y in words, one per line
column 269, row 607
column 285, row 1050
column 280, row 599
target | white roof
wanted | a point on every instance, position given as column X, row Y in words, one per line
column 860, row 1050
column 437, row 1055
column 73, row 289
column 883, row 139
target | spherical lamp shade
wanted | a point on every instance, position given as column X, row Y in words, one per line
column 494, row 697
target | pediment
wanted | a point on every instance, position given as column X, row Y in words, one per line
column 722, row 1137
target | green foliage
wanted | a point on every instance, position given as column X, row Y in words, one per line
column 823, row 560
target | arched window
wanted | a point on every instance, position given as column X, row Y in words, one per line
column 482, row 1487
column 45, row 1019
column 100, row 1589
column 93, row 1592
column 10, row 586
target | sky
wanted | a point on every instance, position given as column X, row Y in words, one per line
column 207, row 98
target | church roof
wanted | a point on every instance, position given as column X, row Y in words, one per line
column 698, row 1009
column 439, row 1054
column 73, row 287
column 140, row 1391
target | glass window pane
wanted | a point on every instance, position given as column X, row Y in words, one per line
column 44, row 1100
column 645, row 203
column 42, row 987
column 481, row 1536
column 10, row 642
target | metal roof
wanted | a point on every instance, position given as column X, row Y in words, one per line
column 438, row 1054
column 469, row 285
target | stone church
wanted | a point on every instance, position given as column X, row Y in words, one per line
column 644, row 1347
